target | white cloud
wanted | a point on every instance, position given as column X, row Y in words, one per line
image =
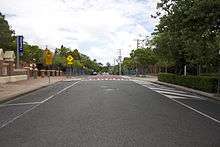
column 96, row 27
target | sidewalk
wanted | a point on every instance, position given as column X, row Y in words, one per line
column 11, row 90
column 155, row 80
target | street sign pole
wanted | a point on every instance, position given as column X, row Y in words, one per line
column 20, row 50
column 69, row 61
column 17, row 59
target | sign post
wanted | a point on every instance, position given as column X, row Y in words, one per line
column 69, row 61
column 20, row 49
column 48, row 57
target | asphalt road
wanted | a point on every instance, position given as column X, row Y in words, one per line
column 109, row 111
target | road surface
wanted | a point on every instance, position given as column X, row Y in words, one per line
column 109, row 111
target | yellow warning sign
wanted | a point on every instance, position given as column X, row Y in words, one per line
column 48, row 57
column 69, row 60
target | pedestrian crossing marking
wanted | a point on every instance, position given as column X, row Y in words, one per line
column 169, row 91
column 178, row 94
column 175, row 97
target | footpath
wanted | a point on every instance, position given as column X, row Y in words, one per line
column 154, row 79
column 11, row 90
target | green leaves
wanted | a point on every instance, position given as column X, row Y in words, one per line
column 7, row 38
column 188, row 32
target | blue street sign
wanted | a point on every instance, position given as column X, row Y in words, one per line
column 20, row 45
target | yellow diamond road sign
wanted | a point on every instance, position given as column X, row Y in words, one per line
column 48, row 57
column 70, row 60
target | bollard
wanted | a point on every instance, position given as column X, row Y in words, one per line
column 35, row 73
column 42, row 73
column 53, row 73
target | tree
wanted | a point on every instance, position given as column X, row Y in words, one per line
column 7, row 38
column 32, row 53
column 188, row 32
column 62, row 51
column 142, row 58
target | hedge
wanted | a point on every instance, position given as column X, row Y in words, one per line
column 203, row 83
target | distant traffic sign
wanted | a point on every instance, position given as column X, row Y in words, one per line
column 69, row 60
column 48, row 57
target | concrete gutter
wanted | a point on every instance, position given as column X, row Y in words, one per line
column 209, row 95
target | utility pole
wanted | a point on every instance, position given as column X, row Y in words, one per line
column 119, row 62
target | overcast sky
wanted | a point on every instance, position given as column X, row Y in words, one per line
column 96, row 28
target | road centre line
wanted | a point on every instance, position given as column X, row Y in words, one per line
column 186, row 106
column 32, row 108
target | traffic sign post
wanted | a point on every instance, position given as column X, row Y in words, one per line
column 48, row 58
column 70, row 61
column 20, row 49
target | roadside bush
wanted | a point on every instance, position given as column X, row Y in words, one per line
column 203, row 83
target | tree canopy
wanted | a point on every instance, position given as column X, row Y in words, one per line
column 7, row 38
column 188, row 32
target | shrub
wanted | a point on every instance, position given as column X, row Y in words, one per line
column 203, row 83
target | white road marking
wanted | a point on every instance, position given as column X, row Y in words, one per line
column 20, row 104
column 68, row 87
column 12, row 120
column 178, row 94
column 197, row 111
column 201, row 113
column 171, row 90
column 175, row 97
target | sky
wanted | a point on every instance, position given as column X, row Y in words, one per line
column 97, row 28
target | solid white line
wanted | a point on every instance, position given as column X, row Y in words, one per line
column 50, row 97
column 20, row 104
column 12, row 120
column 67, row 87
column 201, row 113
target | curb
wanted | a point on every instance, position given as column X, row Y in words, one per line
column 12, row 97
column 201, row 93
